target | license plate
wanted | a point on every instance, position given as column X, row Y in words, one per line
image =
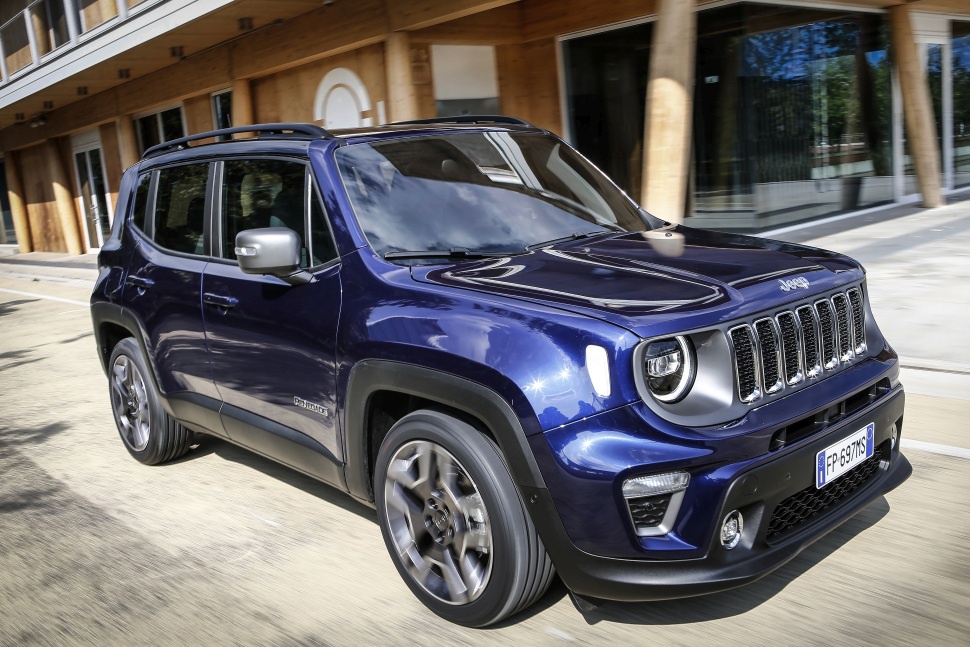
column 834, row 461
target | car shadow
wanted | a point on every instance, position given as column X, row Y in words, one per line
column 725, row 604
column 704, row 608
column 225, row 450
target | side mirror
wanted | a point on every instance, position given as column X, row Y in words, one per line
column 274, row 251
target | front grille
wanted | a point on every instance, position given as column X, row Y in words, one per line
column 841, row 304
column 648, row 512
column 828, row 332
column 790, row 348
column 768, row 348
column 745, row 364
column 811, row 502
column 772, row 354
column 858, row 321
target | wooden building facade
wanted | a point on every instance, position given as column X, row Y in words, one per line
column 683, row 101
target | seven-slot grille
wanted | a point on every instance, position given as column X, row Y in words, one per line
column 794, row 345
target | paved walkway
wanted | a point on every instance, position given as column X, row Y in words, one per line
column 918, row 268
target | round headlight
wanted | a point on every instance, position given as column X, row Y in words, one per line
column 668, row 368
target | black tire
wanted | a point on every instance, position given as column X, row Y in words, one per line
column 150, row 435
column 444, row 496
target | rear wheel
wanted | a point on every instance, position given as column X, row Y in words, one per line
column 453, row 522
column 149, row 433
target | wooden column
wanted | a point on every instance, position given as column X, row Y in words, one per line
column 402, row 98
column 15, row 194
column 917, row 109
column 63, row 201
column 127, row 141
column 669, row 110
column 242, row 103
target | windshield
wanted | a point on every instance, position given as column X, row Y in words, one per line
column 494, row 192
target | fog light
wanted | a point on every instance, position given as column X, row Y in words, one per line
column 895, row 436
column 731, row 530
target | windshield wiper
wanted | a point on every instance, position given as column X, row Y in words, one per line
column 454, row 252
column 565, row 239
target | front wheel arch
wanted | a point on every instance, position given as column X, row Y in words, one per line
column 473, row 402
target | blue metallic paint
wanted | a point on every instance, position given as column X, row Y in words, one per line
column 520, row 335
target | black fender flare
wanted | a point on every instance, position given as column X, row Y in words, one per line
column 200, row 413
column 106, row 312
column 478, row 401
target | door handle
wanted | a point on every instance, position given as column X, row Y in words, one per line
column 140, row 282
column 219, row 300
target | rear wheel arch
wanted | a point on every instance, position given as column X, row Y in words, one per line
column 113, row 323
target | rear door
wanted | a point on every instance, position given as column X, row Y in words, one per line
column 272, row 345
column 163, row 287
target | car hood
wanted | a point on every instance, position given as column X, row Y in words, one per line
column 654, row 282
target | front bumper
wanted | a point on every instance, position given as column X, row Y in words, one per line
column 757, row 488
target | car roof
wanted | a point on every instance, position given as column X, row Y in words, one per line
column 281, row 137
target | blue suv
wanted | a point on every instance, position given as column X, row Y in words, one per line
column 466, row 325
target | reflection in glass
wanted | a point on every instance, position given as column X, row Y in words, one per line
column 90, row 214
column 792, row 117
column 172, row 124
column 792, row 112
column 8, row 235
column 491, row 192
column 961, row 103
column 934, row 78
column 180, row 208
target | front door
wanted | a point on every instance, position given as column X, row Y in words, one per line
column 272, row 345
column 93, row 189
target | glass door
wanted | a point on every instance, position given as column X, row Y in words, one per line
column 92, row 189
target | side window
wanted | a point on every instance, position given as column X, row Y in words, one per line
column 180, row 208
column 322, row 246
column 262, row 193
column 139, row 211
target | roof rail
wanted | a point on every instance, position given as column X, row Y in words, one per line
column 467, row 119
column 308, row 130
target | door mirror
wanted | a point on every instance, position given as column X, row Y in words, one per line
column 274, row 251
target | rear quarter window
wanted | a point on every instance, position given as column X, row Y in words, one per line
column 139, row 210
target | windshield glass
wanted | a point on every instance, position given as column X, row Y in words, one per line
column 482, row 192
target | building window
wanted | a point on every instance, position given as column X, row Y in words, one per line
column 465, row 80
column 960, row 73
column 8, row 235
column 222, row 111
column 157, row 127
column 792, row 112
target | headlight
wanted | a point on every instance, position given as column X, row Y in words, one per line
column 668, row 368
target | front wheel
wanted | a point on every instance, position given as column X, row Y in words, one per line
column 453, row 521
